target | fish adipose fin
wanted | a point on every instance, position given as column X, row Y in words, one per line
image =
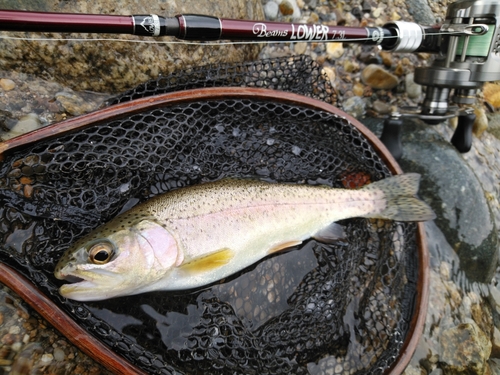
column 209, row 262
column 401, row 201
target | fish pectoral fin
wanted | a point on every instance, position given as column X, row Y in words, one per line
column 209, row 262
column 333, row 233
column 282, row 246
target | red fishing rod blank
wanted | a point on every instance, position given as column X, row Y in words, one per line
column 396, row 36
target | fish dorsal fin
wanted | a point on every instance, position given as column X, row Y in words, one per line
column 282, row 246
column 210, row 262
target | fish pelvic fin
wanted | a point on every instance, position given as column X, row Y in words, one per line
column 283, row 246
column 209, row 262
column 401, row 201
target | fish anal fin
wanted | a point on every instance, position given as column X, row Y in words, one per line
column 210, row 262
column 283, row 246
column 333, row 233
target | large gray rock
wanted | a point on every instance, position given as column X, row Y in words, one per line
column 113, row 66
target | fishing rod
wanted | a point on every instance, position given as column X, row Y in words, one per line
column 396, row 36
column 467, row 46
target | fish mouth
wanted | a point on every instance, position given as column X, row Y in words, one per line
column 84, row 278
column 88, row 285
column 68, row 276
column 75, row 276
column 73, row 279
column 78, row 287
column 75, row 282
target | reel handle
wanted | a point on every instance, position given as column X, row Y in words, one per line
column 391, row 136
column 462, row 137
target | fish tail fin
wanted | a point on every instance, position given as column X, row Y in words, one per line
column 401, row 201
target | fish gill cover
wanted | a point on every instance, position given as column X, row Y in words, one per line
column 337, row 306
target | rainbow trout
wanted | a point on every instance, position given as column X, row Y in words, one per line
column 197, row 235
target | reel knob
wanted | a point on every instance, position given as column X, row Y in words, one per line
column 462, row 137
column 391, row 135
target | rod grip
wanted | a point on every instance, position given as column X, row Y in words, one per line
column 199, row 27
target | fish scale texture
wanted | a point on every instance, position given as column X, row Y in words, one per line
column 344, row 306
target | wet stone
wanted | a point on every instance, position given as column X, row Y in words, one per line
column 472, row 344
column 73, row 103
column 378, row 78
column 114, row 66
column 494, row 365
column 271, row 10
column 495, row 343
column 491, row 92
column 7, row 84
column 421, row 12
column 25, row 124
column 413, row 89
column 355, row 106
column 494, row 124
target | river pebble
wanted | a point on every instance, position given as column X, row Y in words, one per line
column 378, row 78
column 413, row 89
column 25, row 124
column 355, row 106
column 46, row 359
column 59, row 354
column 271, row 10
column 334, row 50
column 472, row 344
column 29, row 345
column 289, row 8
column 73, row 103
column 481, row 122
column 7, row 84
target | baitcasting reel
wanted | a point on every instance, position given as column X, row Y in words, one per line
column 467, row 47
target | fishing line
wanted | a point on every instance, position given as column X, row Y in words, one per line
column 197, row 43
column 180, row 41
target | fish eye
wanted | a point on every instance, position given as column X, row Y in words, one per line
column 101, row 253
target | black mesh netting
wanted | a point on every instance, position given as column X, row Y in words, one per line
column 299, row 75
column 316, row 309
